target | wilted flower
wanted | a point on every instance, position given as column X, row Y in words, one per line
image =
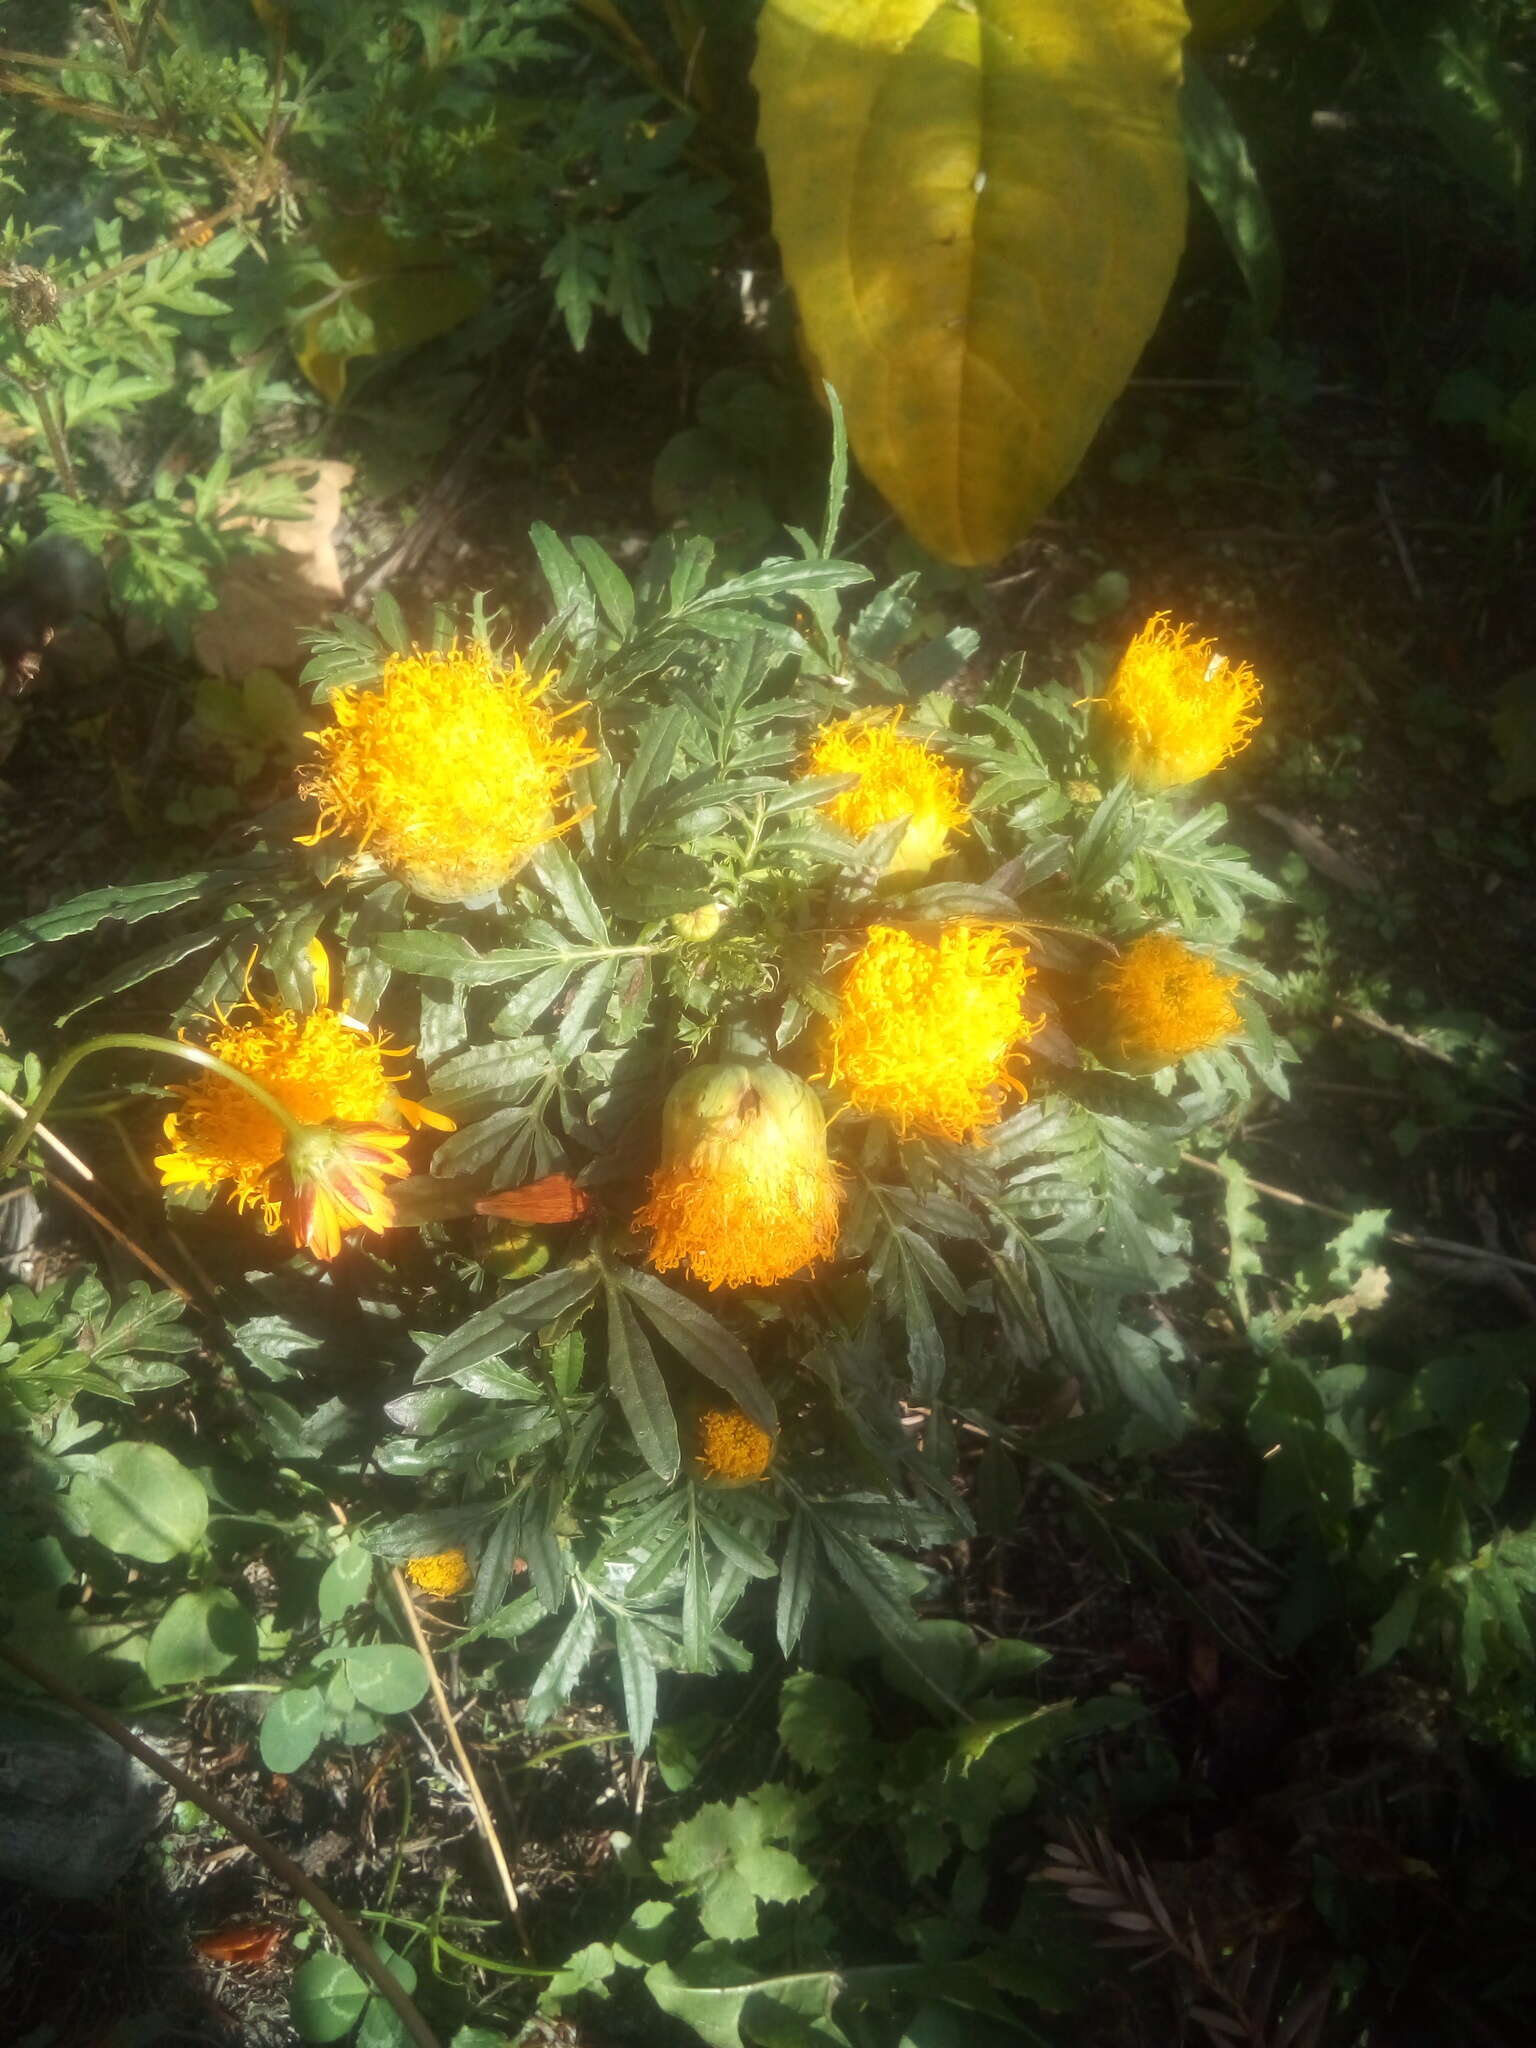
column 452, row 771
column 924, row 1032
column 730, row 1448
column 898, row 778
column 745, row 1193
column 332, row 1079
column 1175, row 708
column 442, row 1575
column 331, row 1179
column 1160, row 1002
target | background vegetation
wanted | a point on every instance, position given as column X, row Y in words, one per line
column 1176, row 1598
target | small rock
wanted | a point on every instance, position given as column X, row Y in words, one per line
column 74, row 1808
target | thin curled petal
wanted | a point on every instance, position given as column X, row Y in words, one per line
column 925, row 1032
column 1175, row 708
column 451, row 772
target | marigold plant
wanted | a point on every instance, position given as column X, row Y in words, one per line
column 745, row 1194
column 1163, row 1002
column 898, row 777
column 926, row 1029
column 451, row 772
column 748, row 1218
column 1175, row 708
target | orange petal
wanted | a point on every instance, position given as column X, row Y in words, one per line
column 554, row 1199
column 239, row 1944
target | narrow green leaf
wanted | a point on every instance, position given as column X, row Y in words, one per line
column 642, row 1392
column 1223, row 170
column 706, row 1344
column 563, row 1667
column 516, row 1316
column 127, row 902
column 797, row 1577
column 609, row 581
column 638, row 1675
column 563, row 879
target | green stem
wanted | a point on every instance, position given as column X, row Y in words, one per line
column 460, row 1955
column 135, row 1041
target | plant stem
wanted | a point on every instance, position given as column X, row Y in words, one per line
column 482, row 1812
column 119, row 1235
column 136, row 1041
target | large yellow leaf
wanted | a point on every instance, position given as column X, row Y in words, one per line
column 980, row 205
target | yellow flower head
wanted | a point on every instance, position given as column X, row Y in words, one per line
column 1176, row 708
column 898, row 778
column 1161, row 1002
column 452, row 771
column 730, row 1448
column 745, row 1194
column 925, row 1031
column 328, row 1073
column 442, row 1575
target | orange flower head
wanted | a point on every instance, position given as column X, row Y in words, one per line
column 898, row 778
column 925, row 1031
column 1161, row 1002
column 442, row 1575
column 730, row 1449
column 451, row 772
column 1175, row 708
column 333, row 1077
column 745, row 1193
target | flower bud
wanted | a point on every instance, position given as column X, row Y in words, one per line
column 745, row 1193
column 699, row 924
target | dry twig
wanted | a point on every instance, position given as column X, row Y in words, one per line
column 1449, row 1247
column 482, row 1812
column 45, row 1137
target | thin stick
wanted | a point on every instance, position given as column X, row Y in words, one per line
column 1445, row 1245
column 346, row 1931
column 440, row 1700
column 18, row 1110
column 1395, row 534
column 145, row 1259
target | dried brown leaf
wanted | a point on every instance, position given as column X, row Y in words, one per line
column 1133, row 1923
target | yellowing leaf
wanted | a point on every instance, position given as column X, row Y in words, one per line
column 980, row 204
column 400, row 294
